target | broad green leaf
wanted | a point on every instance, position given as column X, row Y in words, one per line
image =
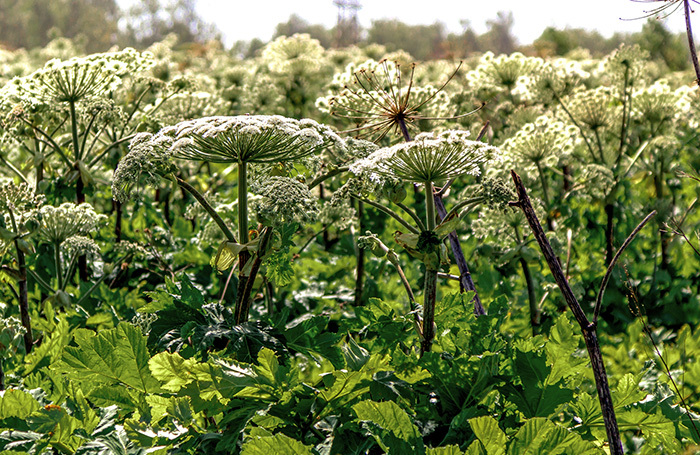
column 17, row 403
column 390, row 417
column 55, row 421
column 108, row 395
column 627, row 392
column 487, row 431
column 541, row 436
column 278, row 444
column 172, row 370
column 445, row 450
column 115, row 356
column 475, row 448
column 537, row 396
column 562, row 344
column 81, row 410
column 50, row 349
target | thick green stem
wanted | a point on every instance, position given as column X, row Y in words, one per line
column 430, row 286
column 23, row 293
column 244, row 301
column 429, row 298
column 243, row 236
column 74, row 131
column 360, row 266
column 57, row 264
column 243, row 202
column 430, row 219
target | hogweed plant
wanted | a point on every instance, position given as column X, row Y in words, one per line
column 240, row 141
column 428, row 159
column 378, row 104
column 17, row 205
column 79, row 83
column 374, row 97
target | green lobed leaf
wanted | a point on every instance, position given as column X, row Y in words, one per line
column 389, row 416
column 278, row 444
column 445, row 450
column 17, row 403
column 487, row 431
column 115, row 356
column 540, row 436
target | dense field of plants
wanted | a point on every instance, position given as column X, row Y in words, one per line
column 325, row 252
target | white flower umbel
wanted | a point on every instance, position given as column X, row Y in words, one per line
column 67, row 220
column 80, row 77
column 244, row 139
column 429, row 158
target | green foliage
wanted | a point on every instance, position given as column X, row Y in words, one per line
column 147, row 345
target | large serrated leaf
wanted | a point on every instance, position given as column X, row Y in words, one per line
column 278, row 444
column 115, row 356
column 17, row 403
column 487, row 431
column 172, row 370
column 445, row 450
column 539, row 436
column 399, row 432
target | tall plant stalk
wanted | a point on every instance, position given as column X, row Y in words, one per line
column 587, row 327
column 22, row 289
column 431, row 275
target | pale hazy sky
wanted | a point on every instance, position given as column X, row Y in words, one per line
column 246, row 19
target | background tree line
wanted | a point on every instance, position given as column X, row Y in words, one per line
column 99, row 24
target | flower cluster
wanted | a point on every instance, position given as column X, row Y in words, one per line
column 429, row 158
column 56, row 224
column 243, row 138
column 297, row 54
column 558, row 77
column 81, row 77
column 284, row 200
column 149, row 158
column 626, row 66
column 655, row 104
column 594, row 108
column 503, row 72
column 373, row 97
column 545, row 142
column 81, row 245
column 19, row 198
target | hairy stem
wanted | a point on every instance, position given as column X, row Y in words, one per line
column 23, row 297
column 360, row 266
column 691, row 42
column 588, row 328
column 430, row 286
column 244, row 300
